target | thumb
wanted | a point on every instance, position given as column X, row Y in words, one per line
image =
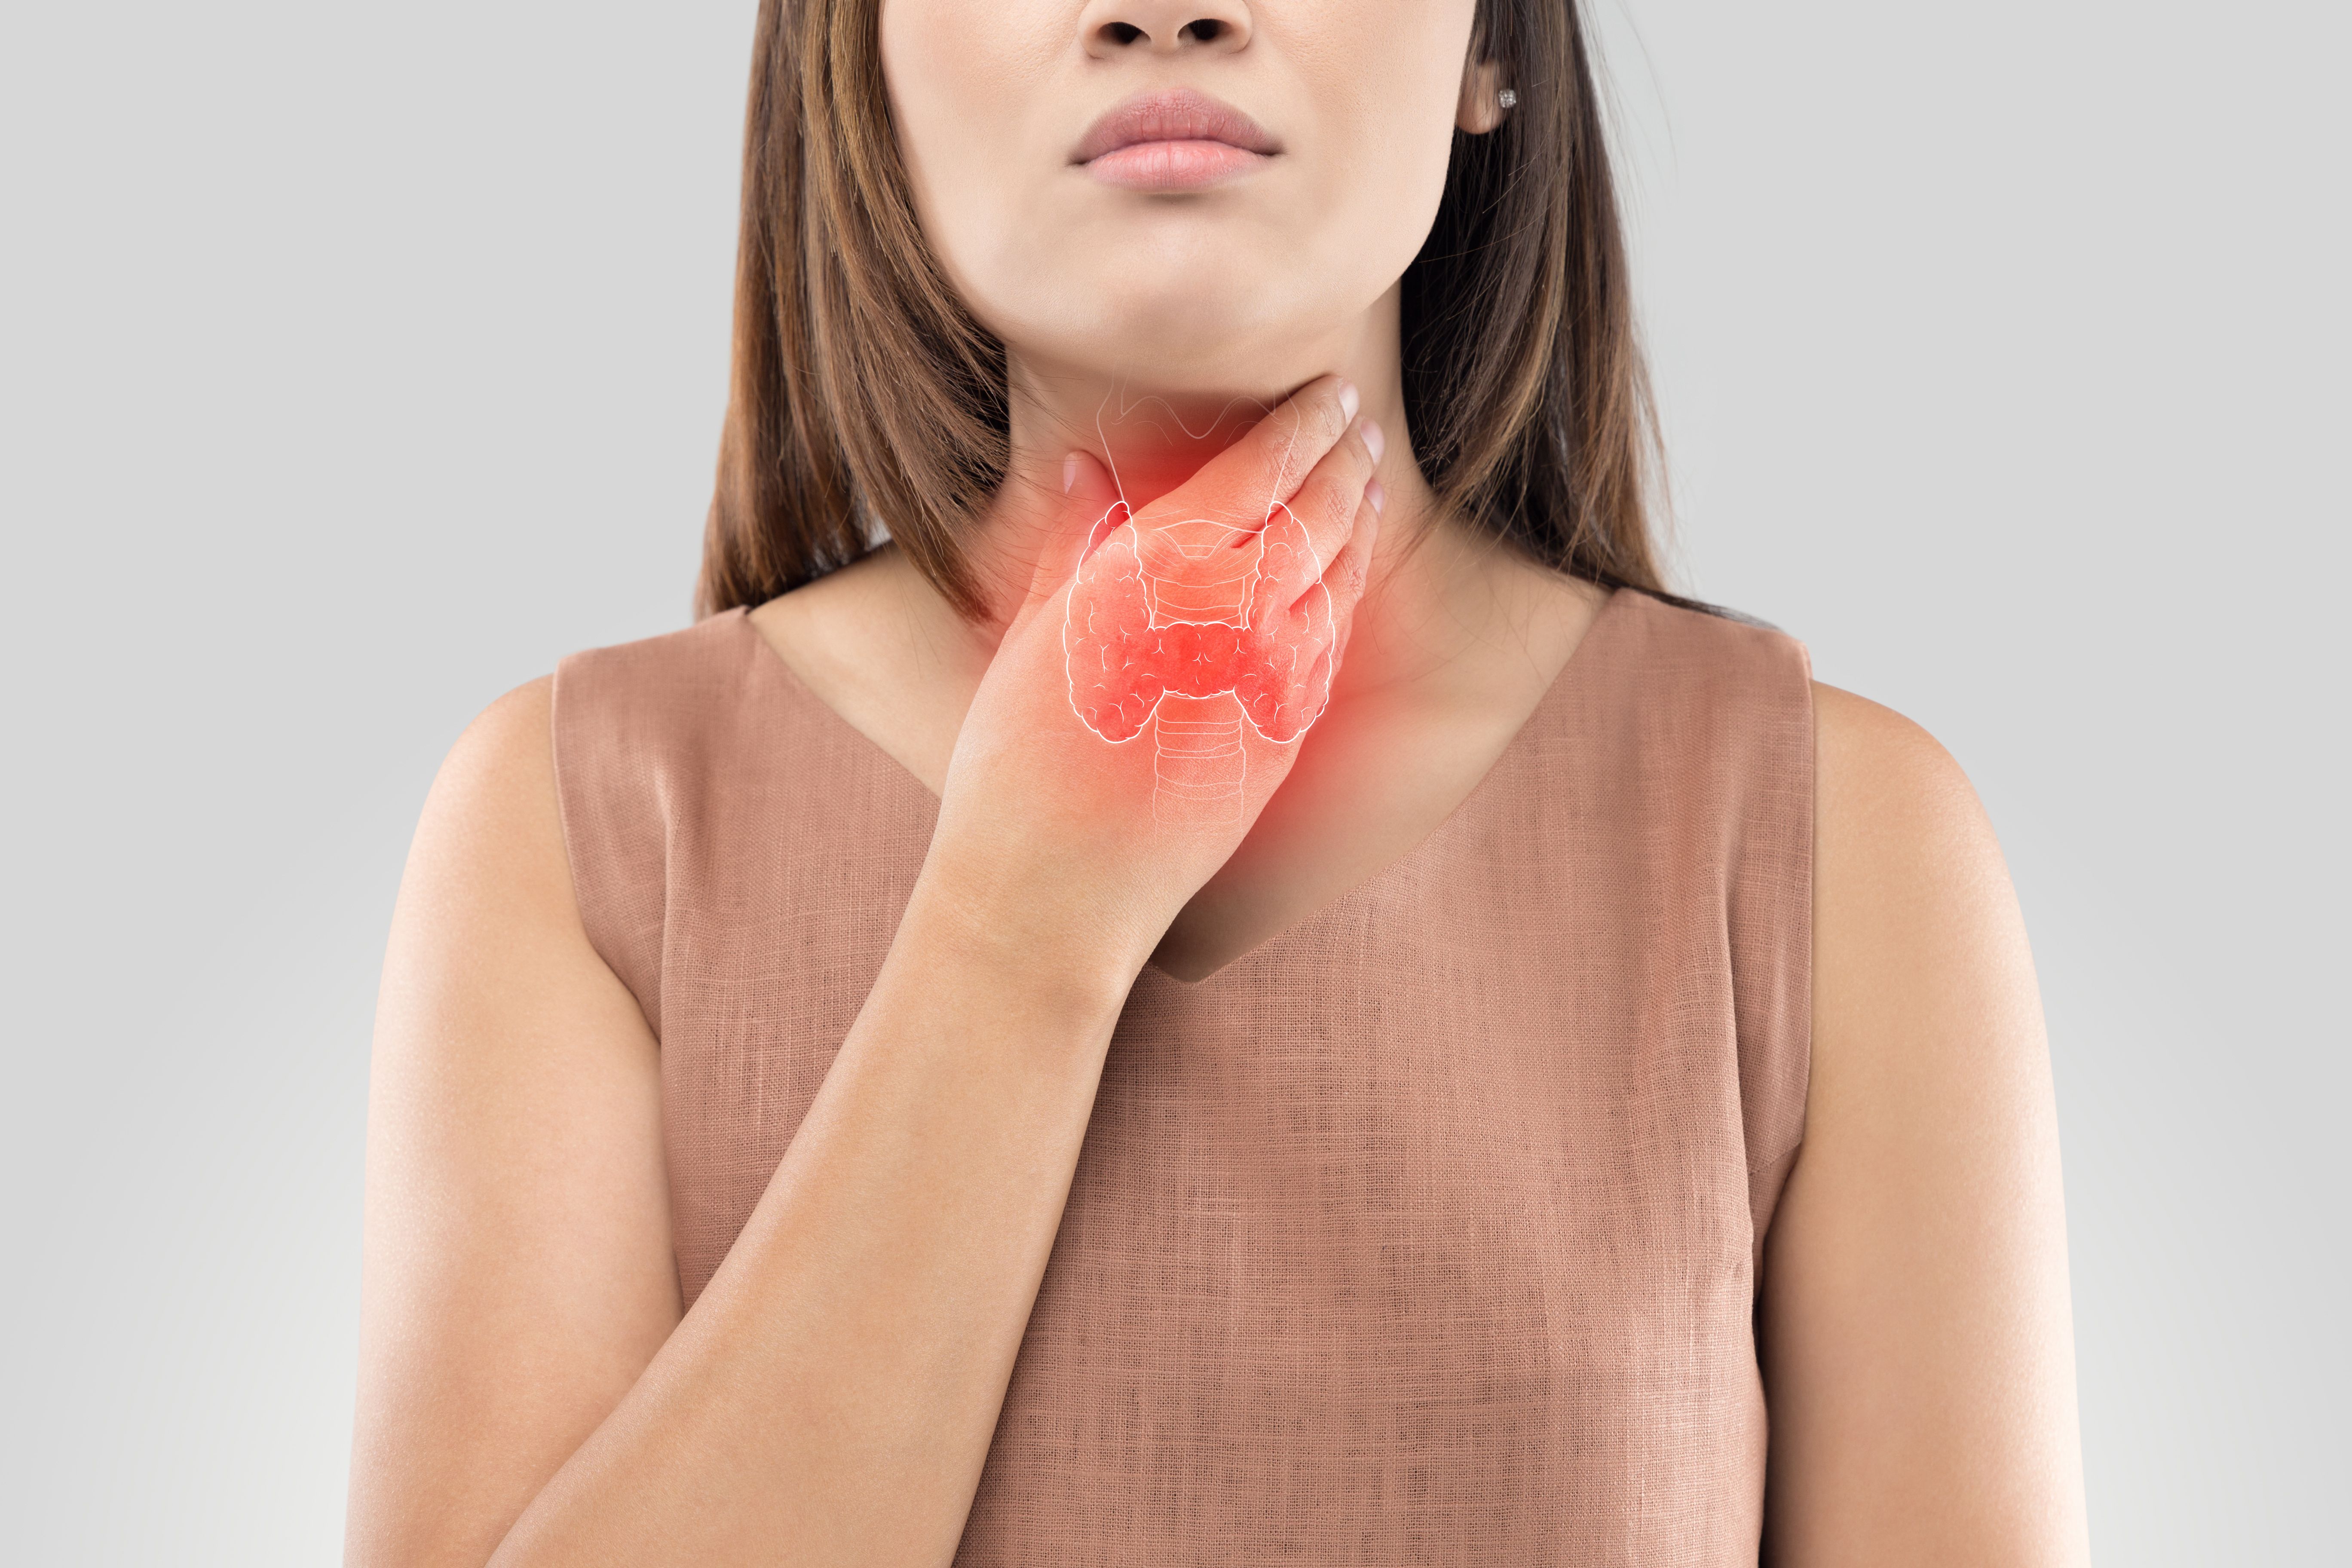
column 1090, row 508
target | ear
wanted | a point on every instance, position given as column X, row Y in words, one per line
column 1480, row 108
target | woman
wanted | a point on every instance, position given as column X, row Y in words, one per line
column 1246, row 985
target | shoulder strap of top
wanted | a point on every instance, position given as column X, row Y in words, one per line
column 635, row 728
column 1725, row 723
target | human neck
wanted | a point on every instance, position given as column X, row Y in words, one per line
column 1153, row 439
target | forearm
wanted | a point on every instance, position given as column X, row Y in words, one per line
column 832, row 1395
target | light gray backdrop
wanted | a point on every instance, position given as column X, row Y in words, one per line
column 357, row 363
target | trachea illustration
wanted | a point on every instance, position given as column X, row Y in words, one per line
column 1202, row 627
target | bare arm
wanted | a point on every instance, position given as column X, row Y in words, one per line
column 516, row 1274
column 529, row 1393
column 1917, row 1342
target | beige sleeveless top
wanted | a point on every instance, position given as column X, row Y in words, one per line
column 1427, row 1231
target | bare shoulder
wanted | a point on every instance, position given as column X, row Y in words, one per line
column 516, row 1270
column 1913, row 905
column 1911, row 901
column 1883, row 778
column 492, row 817
column 1916, row 1336
column 487, row 862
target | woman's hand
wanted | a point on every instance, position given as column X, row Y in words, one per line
column 1108, row 765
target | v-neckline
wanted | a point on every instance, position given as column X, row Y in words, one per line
column 1286, row 935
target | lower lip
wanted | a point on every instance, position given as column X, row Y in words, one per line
column 1174, row 165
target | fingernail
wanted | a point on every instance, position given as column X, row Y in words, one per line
column 1069, row 472
column 1374, row 441
column 1374, row 494
column 1349, row 400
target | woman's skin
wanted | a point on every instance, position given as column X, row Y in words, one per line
column 529, row 1390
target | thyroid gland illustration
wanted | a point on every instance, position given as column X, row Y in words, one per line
column 1192, row 628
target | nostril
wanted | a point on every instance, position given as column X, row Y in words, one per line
column 1204, row 29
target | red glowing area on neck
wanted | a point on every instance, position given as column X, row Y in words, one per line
column 1199, row 609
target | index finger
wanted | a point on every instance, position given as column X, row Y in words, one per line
column 1268, row 465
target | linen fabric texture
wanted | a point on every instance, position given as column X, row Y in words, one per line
column 1428, row 1231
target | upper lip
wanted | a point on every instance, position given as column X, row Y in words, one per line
column 1172, row 114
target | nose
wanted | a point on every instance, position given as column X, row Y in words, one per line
column 1113, row 27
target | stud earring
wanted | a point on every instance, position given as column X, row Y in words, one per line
column 1507, row 99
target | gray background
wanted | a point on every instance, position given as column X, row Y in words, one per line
column 357, row 363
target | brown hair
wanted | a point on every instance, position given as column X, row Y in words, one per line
column 864, row 389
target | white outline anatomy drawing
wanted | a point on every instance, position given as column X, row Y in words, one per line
column 1192, row 628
